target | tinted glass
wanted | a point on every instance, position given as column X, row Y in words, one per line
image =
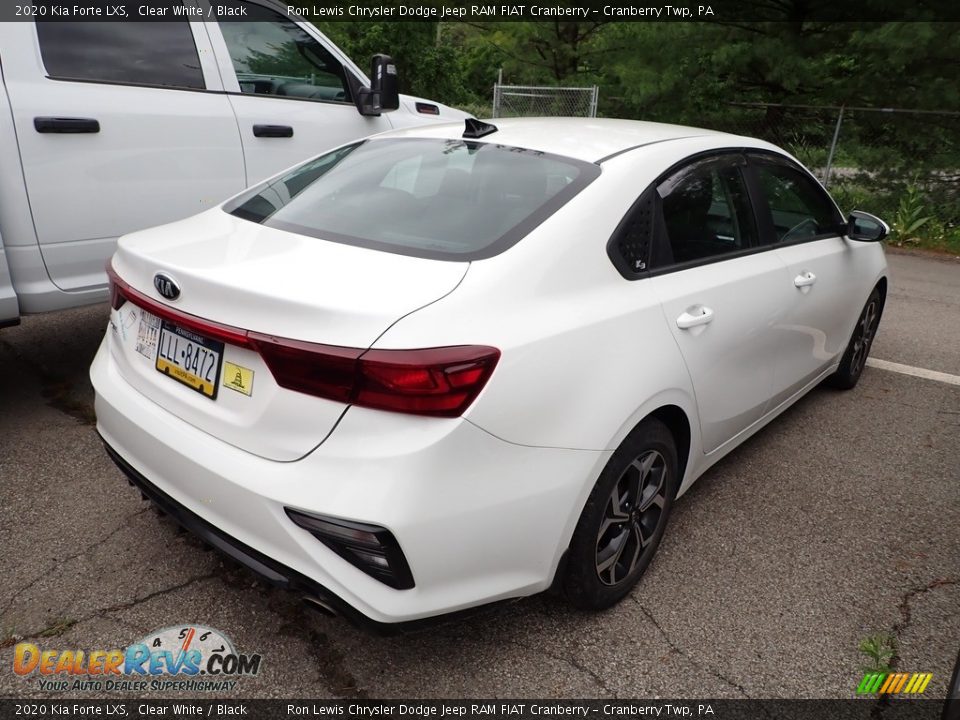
column 706, row 211
column 447, row 199
column 798, row 205
column 140, row 53
column 274, row 56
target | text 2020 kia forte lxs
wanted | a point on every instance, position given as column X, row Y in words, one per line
column 442, row 367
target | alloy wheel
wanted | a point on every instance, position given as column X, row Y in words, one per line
column 866, row 328
column 631, row 517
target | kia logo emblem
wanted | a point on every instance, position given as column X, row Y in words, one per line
column 166, row 286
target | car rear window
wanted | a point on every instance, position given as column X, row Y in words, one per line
column 434, row 198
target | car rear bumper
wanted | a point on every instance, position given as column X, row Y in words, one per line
column 478, row 519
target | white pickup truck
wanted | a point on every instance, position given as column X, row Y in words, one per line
column 110, row 127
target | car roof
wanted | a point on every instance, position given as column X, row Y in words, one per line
column 589, row 139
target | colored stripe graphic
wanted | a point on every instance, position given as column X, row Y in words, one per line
column 901, row 681
column 870, row 683
column 894, row 683
column 913, row 683
column 890, row 682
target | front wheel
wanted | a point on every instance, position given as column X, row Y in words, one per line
column 624, row 518
column 855, row 357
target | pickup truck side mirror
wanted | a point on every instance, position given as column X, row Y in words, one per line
column 383, row 94
column 866, row 227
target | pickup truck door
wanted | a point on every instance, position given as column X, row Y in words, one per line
column 9, row 307
column 121, row 126
column 288, row 87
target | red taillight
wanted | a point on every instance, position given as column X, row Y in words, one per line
column 441, row 381
column 437, row 381
column 117, row 298
column 434, row 381
column 326, row 371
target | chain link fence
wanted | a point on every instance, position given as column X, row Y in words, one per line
column 901, row 164
column 540, row 101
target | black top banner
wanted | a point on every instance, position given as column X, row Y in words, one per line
column 590, row 11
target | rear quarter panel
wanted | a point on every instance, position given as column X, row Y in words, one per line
column 586, row 354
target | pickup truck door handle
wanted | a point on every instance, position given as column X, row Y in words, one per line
column 69, row 125
column 700, row 315
column 279, row 131
column 805, row 279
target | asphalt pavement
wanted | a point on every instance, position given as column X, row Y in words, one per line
column 838, row 521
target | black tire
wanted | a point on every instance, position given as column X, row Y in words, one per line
column 608, row 555
column 858, row 349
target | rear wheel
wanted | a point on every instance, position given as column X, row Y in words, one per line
column 855, row 357
column 624, row 518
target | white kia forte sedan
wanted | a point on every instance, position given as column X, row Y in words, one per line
column 447, row 366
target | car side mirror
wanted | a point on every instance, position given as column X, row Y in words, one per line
column 866, row 227
column 383, row 95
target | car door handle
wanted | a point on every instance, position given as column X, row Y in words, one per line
column 66, row 125
column 280, row 131
column 700, row 316
column 805, row 279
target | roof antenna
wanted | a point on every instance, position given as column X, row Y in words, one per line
column 478, row 128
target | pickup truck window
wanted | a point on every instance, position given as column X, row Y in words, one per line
column 136, row 53
column 274, row 56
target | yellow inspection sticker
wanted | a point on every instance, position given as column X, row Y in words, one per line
column 238, row 378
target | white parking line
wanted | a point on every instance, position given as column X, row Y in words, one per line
column 915, row 371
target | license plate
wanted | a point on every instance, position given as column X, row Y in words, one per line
column 189, row 358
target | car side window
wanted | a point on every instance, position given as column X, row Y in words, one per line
column 706, row 211
column 136, row 53
column 799, row 208
column 274, row 56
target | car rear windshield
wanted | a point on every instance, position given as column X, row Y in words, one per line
column 433, row 198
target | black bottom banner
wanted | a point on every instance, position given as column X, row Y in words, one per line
column 863, row 709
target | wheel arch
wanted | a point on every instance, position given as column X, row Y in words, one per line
column 882, row 287
column 684, row 430
column 678, row 424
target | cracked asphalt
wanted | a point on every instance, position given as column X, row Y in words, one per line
column 838, row 521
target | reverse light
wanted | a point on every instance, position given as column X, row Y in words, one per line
column 439, row 382
column 370, row 548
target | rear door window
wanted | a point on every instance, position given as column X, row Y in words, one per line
column 445, row 199
column 135, row 53
column 706, row 211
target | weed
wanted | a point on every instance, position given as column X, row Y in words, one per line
column 880, row 649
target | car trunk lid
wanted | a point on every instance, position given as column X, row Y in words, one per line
column 238, row 280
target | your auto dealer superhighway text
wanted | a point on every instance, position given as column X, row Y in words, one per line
column 444, row 710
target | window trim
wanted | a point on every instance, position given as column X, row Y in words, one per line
column 764, row 214
column 763, row 220
column 717, row 155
